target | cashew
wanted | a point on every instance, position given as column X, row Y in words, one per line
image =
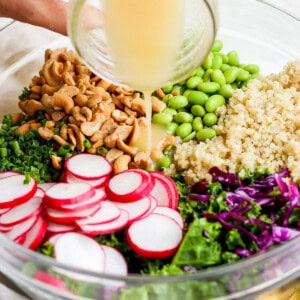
column 22, row 129
column 57, row 115
column 49, row 90
column 157, row 151
column 59, row 139
column 50, row 124
column 93, row 101
column 135, row 135
column 63, row 102
column 104, row 84
column 36, row 89
column 70, row 91
column 56, row 160
column 57, row 70
column 81, row 100
column 89, row 128
column 81, row 69
column 113, row 154
column 105, row 109
column 68, row 79
column 46, row 100
column 63, row 132
column 118, row 103
column 46, row 133
column 17, row 118
column 132, row 151
column 124, row 100
column 87, row 113
column 138, row 105
column 31, row 107
column 119, row 116
column 121, row 163
column 109, row 126
column 98, row 136
column 160, row 93
column 71, row 136
column 71, row 57
column 121, row 132
column 77, row 114
column 80, row 138
column 46, row 72
column 141, row 159
column 157, row 104
column 35, row 125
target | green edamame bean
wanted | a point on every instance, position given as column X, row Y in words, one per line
column 178, row 88
column 177, row 102
column 208, row 61
column 226, row 90
column 198, row 110
column 210, row 119
column 197, row 97
column 243, row 75
column 208, row 87
column 216, row 62
column 218, row 77
column 214, row 102
column 162, row 118
column 169, row 110
column 197, row 124
column 171, row 128
column 217, row 46
column 252, row 68
column 205, row 133
column 190, row 137
column 183, row 130
column 207, row 74
column 231, row 74
column 163, row 162
column 187, row 92
column 167, row 89
column 224, row 58
column 192, row 82
column 183, row 117
column 166, row 98
column 233, row 58
column 224, row 67
column 199, row 72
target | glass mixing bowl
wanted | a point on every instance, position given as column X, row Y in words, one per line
column 261, row 34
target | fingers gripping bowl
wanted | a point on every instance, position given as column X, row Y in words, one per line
column 254, row 32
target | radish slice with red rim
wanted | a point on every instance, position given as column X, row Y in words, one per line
column 156, row 236
column 68, row 193
column 39, row 193
column 105, row 228
column 97, row 183
column 5, row 174
column 107, row 212
column 153, row 205
column 21, row 229
column 129, row 185
column 161, row 192
column 14, row 191
column 172, row 213
column 94, row 201
column 53, row 227
column 45, row 186
column 22, row 212
column 115, row 263
column 174, row 196
column 135, row 209
column 88, row 166
column 68, row 217
column 36, row 234
column 89, row 255
column 51, row 280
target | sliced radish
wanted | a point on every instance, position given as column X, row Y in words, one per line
column 35, row 235
column 68, row 217
column 172, row 213
column 153, row 205
column 51, row 280
column 4, row 210
column 129, row 185
column 22, row 212
column 88, row 166
column 108, row 212
column 53, row 227
column 135, row 209
column 68, row 193
column 14, row 191
column 46, row 185
column 39, row 193
column 156, row 236
column 105, row 228
column 79, row 251
column 21, row 228
column 5, row 174
column 97, row 183
column 89, row 203
column 115, row 263
column 5, row 229
column 163, row 181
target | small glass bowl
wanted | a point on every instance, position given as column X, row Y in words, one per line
column 261, row 34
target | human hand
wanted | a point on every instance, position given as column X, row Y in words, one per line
column 50, row 14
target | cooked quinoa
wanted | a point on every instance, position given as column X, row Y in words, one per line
column 259, row 128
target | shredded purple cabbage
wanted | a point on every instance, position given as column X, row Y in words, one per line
column 276, row 195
